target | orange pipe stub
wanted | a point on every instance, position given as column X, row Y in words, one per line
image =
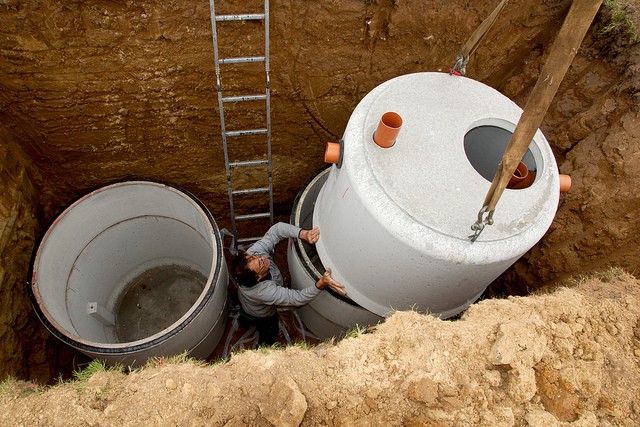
column 332, row 152
column 565, row 183
column 522, row 177
column 388, row 129
column 519, row 176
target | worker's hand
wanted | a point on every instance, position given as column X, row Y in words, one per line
column 310, row 236
column 327, row 281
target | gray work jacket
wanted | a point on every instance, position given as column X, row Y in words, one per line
column 263, row 299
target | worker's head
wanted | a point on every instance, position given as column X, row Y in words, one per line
column 249, row 269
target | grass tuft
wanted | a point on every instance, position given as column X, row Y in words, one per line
column 177, row 359
column 93, row 367
column 605, row 276
column 264, row 348
column 355, row 332
column 7, row 386
column 302, row 345
column 620, row 21
column 11, row 386
column 610, row 274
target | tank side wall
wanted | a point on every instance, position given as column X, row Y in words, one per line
column 394, row 256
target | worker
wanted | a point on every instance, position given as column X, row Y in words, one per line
column 260, row 286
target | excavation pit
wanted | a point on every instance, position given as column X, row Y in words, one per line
column 152, row 112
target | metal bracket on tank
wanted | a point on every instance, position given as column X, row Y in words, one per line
column 478, row 226
column 339, row 164
column 101, row 314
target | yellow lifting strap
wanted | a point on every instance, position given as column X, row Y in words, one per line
column 564, row 49
column 472, row 44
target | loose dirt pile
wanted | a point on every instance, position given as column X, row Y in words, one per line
column 571, row 357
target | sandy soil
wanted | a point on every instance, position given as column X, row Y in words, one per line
column 88, row 105
column 571, row 357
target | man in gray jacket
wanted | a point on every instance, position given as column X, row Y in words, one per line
column 260, row 286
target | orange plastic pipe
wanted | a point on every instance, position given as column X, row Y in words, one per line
column 565, row 183
column 332, row 152
column 519, row 175
column 388, row 129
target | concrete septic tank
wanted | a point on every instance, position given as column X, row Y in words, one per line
column 131, row 271
column 329, row 314
column 395, row 222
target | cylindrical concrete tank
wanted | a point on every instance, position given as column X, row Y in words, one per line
column 329, row 314
column 130, row 271
column 395, row 222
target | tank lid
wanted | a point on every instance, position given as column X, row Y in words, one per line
column 427, row 173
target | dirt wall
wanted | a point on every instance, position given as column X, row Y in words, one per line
column 22, row 338
column 96, row 90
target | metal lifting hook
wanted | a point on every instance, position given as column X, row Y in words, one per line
column 478, row 226
column 460, row 66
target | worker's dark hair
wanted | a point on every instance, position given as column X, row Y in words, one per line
column 240, row 270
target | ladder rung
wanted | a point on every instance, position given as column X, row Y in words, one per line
column 246, row 132
column 240, row 59
column 253, row 216
column 251, row 191
column 240, row 17
column 243, row 98
column 248, row 163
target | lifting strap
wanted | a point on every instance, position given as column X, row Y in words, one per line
column 564, row 49
column 472, row 44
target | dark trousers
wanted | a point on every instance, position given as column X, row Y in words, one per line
column 268, row 327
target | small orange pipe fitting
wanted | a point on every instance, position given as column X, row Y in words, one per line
column 332, row 152
column 388, row 129
column 522, row 177
column 565, row 183
column 519, row 175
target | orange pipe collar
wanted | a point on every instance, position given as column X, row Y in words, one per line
column 388, row 129
column 565, row 183
column 332, row 153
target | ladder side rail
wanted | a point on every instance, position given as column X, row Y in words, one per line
column 216, row 59
column 268, row 104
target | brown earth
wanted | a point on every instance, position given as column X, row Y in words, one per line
column 92, row 91
column 569, row 358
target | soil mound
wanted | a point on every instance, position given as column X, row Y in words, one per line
column 569, row 357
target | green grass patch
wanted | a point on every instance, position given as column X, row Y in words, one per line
column 355, row 332
column 620, row 21
column 609, row 274
column 7, row 386
column 81, row 376
column 303, row 345
column 605, row 276
column 84, row 374
column 177, row 359
column 11, row 386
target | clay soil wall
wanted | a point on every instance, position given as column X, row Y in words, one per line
column 93, row 91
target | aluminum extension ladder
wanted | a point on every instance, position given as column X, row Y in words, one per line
column 227, row 135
